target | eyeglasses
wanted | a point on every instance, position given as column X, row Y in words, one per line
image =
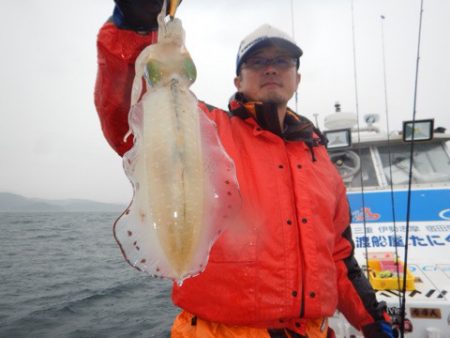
column 279, row 62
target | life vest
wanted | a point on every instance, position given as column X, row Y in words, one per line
column 187, row 325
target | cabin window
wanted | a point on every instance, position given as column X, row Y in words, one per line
column 431, row 163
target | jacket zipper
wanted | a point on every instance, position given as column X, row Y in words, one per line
column 302, row 304
column 302, row 291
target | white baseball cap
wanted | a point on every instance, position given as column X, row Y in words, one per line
column 264, row 36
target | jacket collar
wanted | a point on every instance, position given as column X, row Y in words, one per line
column 296, row 127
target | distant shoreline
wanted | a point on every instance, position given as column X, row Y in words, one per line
column 10, row 202
column 59, row 211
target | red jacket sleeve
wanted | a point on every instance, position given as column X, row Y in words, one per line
column 357, row 299
column 117, row 52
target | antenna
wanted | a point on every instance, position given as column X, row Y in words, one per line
column 316, row 119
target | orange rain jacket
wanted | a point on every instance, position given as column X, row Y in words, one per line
column 291, row 259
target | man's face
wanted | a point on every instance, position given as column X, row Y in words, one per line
column 270, row 83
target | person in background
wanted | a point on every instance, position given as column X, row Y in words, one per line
column 289, row 265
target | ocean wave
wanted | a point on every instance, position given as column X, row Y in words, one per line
column 61, row 287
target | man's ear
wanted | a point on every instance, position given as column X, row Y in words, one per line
column 299, row 77
column 237, row 82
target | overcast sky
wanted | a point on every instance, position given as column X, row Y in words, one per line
column 50, row 139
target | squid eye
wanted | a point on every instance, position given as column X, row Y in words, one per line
column 189, row 69
column 153, row 72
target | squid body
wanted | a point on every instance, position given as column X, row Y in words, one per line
column 185, row 186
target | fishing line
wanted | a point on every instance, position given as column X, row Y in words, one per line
column 411, row 159
column 355, row 76
column 386, row 105
column 293, row 37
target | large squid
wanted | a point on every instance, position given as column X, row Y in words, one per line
column 185, row 186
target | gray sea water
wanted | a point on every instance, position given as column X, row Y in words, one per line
column 62, row 275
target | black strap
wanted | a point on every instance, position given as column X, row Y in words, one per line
column 283, row 333
column 277, row 333
column 295, row 334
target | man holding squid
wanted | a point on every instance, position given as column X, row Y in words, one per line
column 289, row 264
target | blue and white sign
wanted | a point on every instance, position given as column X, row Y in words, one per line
column 426, row 205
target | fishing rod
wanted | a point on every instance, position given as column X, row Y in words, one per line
column 355, row 79
column 411, row 159
column 402, row 300
column 293, row 37
column 388, row 131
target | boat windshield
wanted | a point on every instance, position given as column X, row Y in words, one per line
column 370, row 166
column 351, row 164
column 431, row 163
